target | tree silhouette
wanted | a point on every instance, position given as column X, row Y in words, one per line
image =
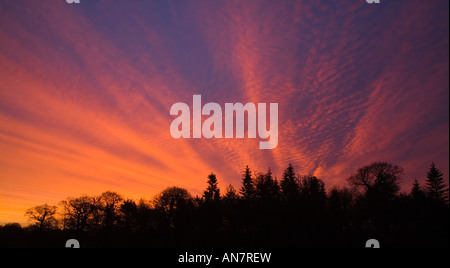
column 380, row 184
column 313, row 194
column 109, row 205
column 339, row 206
column 435, row 185
column 210, row 210
column 267, row 187
column 175, row 204
column 248, row 188
column 146, row 218
column 339, row 200
column 213, row 191
column 43, row 216
column 231, row 193
column 129, row 211
column 417, row 194
column 290, row 188
column 378, row 179
column 81, row 213
column 12, row 227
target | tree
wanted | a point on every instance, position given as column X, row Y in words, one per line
column 212, row 193
column 175, row 204
column 339, row 200
column 290, row 188
column 380, row 184
column 313, row 191
column 435, row 185
column 146, row 219
column 248, row 188
column 129, row 211
column 231, row 193
column 267, row 187
column 417, row 194
column 378, row 179
column 13, row 227
column 109, row 204
column 43, row 216
column 80, row 212
column 339, row 206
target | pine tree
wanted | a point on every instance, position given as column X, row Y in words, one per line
column 267, row 187
column 213, row 191
column 290, row 188
column 416, row 191
column 248, row 188
column 313, row 192
column 231, row 193
column 436, row 188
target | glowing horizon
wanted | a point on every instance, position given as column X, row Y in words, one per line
column 86, row 91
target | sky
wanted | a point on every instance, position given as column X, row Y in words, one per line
column 86, row 90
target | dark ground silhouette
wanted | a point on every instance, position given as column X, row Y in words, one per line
column 294, row 211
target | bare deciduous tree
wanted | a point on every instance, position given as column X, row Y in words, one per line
column 79, row 212
column 380, row 178
column 43, row 216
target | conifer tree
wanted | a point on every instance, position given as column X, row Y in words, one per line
column 231, row 193
column 416, row 192
column 290, row 189
column 213, row 191
column 435, row 185
column 267, row 187
column 248, row 188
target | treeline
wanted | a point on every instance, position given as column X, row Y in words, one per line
column 295, row 211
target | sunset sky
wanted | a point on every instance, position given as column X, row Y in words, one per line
column 86, row 89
